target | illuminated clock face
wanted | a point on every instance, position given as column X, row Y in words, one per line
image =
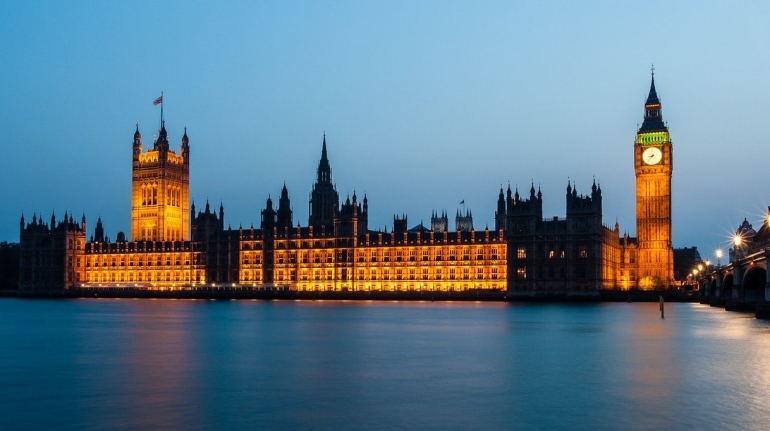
column 652, row 156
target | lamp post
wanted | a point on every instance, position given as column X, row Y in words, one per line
column 719, row 256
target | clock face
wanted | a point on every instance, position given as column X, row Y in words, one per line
column 652, row 156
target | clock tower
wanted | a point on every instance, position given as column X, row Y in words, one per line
column 653, row 164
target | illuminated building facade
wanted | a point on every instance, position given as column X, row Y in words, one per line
column 160, row 190
column 174, row 247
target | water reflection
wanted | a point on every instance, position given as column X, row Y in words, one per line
column 133, row 364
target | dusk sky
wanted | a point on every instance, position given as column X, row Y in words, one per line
column 424, row 104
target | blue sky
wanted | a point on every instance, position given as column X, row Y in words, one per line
column 424, row 104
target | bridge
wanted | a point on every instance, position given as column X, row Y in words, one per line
column 743, row 283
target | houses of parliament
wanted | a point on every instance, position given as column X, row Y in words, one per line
column 174, row 245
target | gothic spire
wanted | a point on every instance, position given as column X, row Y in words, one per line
column 323, row 150
column 652, row 98
column 324, row 169
column 653, row 118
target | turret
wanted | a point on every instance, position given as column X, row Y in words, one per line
column 137, row 146
column 221, row 215
column 268, row 216
column 161, row 144
column 99, row 231
column 185, row 151
column 501, row 202
column 400, row 224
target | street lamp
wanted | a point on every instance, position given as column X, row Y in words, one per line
column 719, row 256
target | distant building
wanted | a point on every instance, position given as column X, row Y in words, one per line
column 172, row 246
column 685, row 260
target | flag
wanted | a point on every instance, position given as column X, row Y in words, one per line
column 158, row 101
column 462, row 202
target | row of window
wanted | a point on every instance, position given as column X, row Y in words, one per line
column 405, row 287
column 387, row 274
column 141, row 261
column 150, row 195
column 140, row 277
column 552, row 252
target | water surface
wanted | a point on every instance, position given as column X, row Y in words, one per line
column 92, row 364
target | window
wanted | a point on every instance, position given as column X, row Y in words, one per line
column 582, row 251
column 521, row 252
column 494, row 253
column 425, row 255
column 521, row 273
column 466, row 254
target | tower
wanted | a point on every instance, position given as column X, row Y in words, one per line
column 324, row 200
column 653, row 164
column 160, row 190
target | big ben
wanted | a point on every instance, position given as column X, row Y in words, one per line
column 653, row 164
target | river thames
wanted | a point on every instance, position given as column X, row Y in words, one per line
column 93, row 364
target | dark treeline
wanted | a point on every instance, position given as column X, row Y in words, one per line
column 9, row 265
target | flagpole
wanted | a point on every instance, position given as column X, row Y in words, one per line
column 161, row 109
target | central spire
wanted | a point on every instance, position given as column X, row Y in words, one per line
column 324, row 169
column 323, row 150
